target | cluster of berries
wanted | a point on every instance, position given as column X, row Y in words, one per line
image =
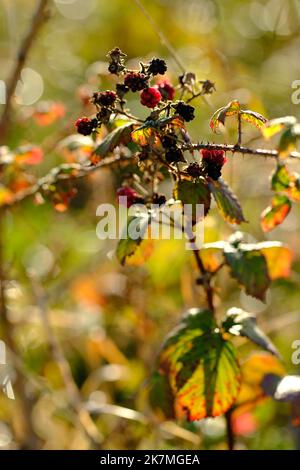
column 104, row 102
column 212, row 162
column 173, row 154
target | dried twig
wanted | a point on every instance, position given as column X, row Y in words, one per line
column 39, row 17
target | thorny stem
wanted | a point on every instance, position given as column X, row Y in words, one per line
column 239, row 130
column 39, row 17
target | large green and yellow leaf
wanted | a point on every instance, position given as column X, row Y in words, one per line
column 276, row 213
column 227, row 202
column 201, row 366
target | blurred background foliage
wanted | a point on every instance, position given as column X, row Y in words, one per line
column 111, row 320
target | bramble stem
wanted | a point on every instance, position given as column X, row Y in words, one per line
column 230, row 433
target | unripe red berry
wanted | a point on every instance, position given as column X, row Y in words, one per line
column 214, row 156
column 150, row 97
column 129, row 193
column 166, row 90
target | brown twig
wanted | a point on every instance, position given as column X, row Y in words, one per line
column 229, row 429
column 39, row 17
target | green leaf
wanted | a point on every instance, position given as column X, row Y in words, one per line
column 241, row 323
column 137, row 226
column 276, row 213
column 285, row 182
column 220, row 115
column 249, row 267
column 193, row 193
column 253, row 118
column 201, row 366
column 161, row 395
column 288, row 140
column 227, row 202
column 275, row 126
column 121, row 135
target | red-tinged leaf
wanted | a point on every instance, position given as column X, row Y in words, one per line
column 276, row 213
column 227, row 202
column 253, row 118
column 286, row 182
column 29, row 154
column 201, row 366
column 249, row 267
column 220, row 115
column 120, row 136
column 275, row 126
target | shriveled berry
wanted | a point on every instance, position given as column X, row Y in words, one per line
column 128, row 193
column 150, row 97
column 194, row 170
column 114, row 68
column 104, row 115
column 86, row 126
column 157, row 66
column 166, row 90
column 104, row 98
column 174, row 155
column 135, row 81
column 185, row 111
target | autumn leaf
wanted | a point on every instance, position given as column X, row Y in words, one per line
column 279, row 259
column 146, row 135
column 220, row 115
column 29, row 154
column 253, row 118
column 227, row 202
column 283, row 181
column 211, row 255
column 201, row 366
column 276, row 213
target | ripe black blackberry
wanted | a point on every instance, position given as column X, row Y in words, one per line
column 174, row 155
column 212, row 170
column 185, row 111
column 157, row 66
column 136, row 81
column 194, row 170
